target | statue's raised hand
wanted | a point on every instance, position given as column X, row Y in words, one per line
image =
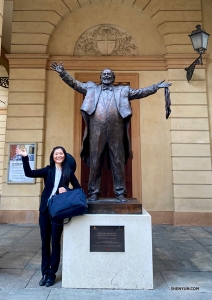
column 163, row 84
column 58, row 68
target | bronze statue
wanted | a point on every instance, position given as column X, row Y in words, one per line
column 107, row 112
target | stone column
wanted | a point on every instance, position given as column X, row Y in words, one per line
column 191, row 156
column 25, row 124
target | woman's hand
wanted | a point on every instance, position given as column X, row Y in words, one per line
column 21, row 152
column 62, row 190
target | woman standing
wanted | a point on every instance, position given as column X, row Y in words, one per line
column 56, row 177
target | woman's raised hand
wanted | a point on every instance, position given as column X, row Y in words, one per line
column 21, row 152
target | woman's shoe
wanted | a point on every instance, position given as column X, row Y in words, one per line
column 50, row 282
column 43, row 280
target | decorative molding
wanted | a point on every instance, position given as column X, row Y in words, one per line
column 27, row 61
column 127, row 63
column 106, row 40
column 181, row 61
column 117, row 63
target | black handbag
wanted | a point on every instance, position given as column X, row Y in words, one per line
column 67, row 205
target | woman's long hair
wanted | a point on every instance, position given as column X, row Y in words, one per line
column 65, row 166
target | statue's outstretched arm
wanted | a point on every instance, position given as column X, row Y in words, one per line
column 57, row 68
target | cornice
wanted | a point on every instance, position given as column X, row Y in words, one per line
column 27, row 61
column 97, row 63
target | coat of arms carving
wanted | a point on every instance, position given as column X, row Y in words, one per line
column 106, row 40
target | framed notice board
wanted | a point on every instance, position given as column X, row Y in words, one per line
column 15, row 166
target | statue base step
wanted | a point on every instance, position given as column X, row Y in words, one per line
column 114, row 206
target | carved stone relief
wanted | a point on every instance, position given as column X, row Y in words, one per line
column 106, row 40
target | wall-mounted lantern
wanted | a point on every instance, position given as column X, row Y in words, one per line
column 199, row 39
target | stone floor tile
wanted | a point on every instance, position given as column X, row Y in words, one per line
column 170, row 254
column 201, row 280
column 173, row 229
column 158, row 282
column 179, row 236
column 197, row 231
column 15, row 260
column 26, row 245
column 17, row 232
column 5, row 228
column 15, row 278
column 35, row 263
column 207, row 228
column 24, row 294
column 67, row 294
column 189, row 245
column 7, row 242
column 202, row 260
column 184, row 265
column 204, row 241
column 33, row 283
column 33, row 234
column 158, row 264
column 163, row 243
column 209, row 248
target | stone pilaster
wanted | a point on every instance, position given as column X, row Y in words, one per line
column 191, row 155
column 25, row 124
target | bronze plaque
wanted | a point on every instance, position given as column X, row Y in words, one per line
column 107, row 239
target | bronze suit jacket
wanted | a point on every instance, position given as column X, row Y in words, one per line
column 123, row 95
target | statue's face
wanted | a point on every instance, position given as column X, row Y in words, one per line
column 107, row 77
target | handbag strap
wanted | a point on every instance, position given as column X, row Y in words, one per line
column 61, row 224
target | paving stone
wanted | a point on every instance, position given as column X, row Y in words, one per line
column 35, row 263
column 15, row 278
column 201, row 280
column 184, row 265
column 5, row 228
column 15, row 260
column 209, row 248
column 202, row 260
column 67, row 294
column 189, row 245
column 24, row 294
column 34, row 234
column 208, row 228
column 163, row 243
column 17, row 232
column 181, row 258
column 158, row 264
column 170, row 254
column 179, row 236
column 159, row 283
column 204, row 241
column 198, row 232
column 2, row 252
column 33, row 283
column 26, row 245
column 7, row 242
column 173, row 229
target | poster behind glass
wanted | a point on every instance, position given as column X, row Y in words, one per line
column 15, row 165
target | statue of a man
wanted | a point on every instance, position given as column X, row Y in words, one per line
column 107, row 112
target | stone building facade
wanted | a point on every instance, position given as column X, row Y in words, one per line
column 143, row 41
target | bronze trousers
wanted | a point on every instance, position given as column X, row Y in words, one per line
column 110, row 136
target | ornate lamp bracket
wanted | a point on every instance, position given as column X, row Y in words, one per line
column 190, row 69
column 4, row 82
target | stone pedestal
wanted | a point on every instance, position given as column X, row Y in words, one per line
column 131, row 269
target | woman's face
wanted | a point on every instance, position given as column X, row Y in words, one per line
column 58, row 156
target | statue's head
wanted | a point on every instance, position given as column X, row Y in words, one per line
column 107, row 76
